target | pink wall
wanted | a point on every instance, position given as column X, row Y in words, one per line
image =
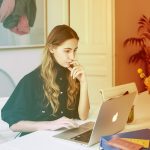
column 127, row 14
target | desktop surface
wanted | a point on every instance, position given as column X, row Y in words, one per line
column 43, row 139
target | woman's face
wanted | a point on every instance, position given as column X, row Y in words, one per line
column 65, row 53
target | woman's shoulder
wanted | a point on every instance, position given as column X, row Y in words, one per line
column 33, row 76
column 34, row 73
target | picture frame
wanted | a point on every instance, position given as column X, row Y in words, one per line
column 34, row 36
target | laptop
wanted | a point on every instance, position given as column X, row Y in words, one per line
column 112, row 118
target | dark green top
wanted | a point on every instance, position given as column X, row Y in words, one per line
column 28, row 102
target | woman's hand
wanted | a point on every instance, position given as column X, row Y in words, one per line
column 63, row 122
column 77, row 71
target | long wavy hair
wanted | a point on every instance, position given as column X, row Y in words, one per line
column 57, row 36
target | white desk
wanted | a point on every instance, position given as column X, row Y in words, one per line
column 44, row 140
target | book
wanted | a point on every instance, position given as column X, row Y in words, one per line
column 124, row 144
column 141, row 137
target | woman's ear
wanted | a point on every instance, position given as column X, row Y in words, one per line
column 51, row 48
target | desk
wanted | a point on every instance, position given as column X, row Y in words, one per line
column 43, row 139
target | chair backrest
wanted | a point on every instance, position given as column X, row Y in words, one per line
column 7, row 85
column 118, row 90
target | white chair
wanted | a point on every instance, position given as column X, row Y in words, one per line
column 7, row 85
column 114, row 91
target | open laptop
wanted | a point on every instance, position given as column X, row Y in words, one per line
column 112, row 118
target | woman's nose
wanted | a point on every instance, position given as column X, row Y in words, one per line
column 71, row 56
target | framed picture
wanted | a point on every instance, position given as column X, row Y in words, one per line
column 25, row 26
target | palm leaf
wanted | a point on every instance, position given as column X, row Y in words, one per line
column 141, row 55
column 143, row 20
column 140, row 41
column 144, row 24
column 147, row 35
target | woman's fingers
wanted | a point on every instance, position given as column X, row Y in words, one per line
column 76, row 71
column 66, row 123
column 70, row 125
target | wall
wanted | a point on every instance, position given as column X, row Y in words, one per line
column 127, row 14
column 18, row 62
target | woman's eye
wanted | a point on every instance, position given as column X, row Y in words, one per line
column 75, row 51
column 67, row 51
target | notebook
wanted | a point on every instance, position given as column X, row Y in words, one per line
column 111, row 119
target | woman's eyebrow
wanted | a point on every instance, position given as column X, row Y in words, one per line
column 68, row 48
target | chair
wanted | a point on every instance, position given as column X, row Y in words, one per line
column 7, row 85
column 114, row 91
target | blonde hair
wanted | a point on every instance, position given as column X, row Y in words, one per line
column 58, row 35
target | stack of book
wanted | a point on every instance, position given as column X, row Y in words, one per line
column 134, row 140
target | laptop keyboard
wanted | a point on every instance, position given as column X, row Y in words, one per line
column 84, row 137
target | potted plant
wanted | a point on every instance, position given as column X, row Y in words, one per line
column 142, row 42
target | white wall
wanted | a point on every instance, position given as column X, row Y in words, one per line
column 18, row 62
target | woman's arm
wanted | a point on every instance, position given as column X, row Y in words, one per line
column 84, row 106
column 31, row 126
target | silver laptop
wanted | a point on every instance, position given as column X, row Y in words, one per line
column 112, row 118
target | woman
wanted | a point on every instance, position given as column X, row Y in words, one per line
column 55, row 92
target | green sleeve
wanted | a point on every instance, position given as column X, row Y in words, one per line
column 18, row 106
